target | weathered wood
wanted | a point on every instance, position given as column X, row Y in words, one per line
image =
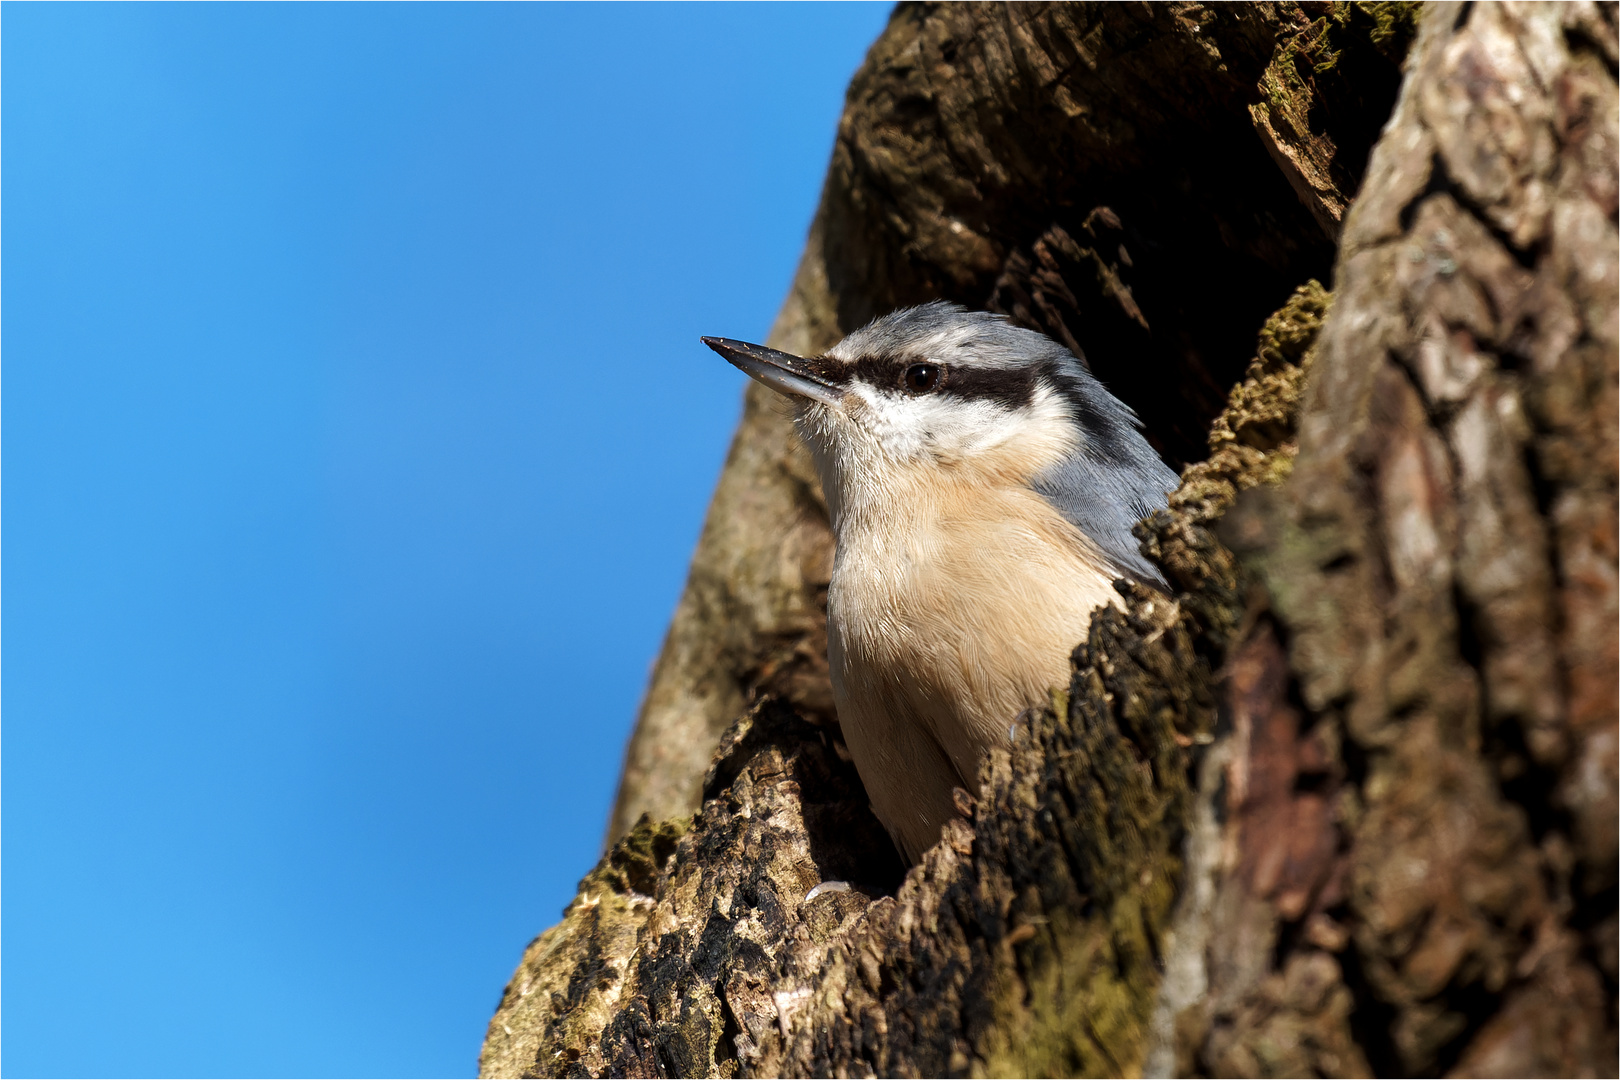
column 1423, row 791
column 1346, row 804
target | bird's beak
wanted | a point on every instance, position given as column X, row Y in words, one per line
column 782, row 372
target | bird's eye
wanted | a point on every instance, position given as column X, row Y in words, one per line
column 921, row 378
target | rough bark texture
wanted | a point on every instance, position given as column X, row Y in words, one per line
column 1427, row 703
column 1346, row 803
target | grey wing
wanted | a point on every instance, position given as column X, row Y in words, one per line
column 1104, row 499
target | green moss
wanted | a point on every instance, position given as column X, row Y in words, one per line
column 1394, row 25
column 1291, row 329
column 1283, row 82
column 1251, row 442
column 1321, row 67
column 636, row 861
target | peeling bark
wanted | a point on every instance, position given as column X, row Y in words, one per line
column 1346, row 803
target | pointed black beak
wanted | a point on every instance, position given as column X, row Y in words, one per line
column 782, row 372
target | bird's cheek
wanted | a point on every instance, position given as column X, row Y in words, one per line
column 854, row 413
column 946, row 457
column 864, row 432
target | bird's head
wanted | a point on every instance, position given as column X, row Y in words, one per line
column 929, row 387
column 937, row 393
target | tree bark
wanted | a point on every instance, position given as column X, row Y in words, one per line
column 1346, row 803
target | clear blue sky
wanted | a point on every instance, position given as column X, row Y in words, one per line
column 356, row 435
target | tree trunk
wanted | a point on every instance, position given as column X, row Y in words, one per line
column 1345, row 805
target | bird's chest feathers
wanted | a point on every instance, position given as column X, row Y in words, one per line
column 958, row 585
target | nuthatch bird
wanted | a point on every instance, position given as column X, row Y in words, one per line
column 982, row 486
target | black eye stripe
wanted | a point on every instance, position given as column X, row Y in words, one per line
column 878, row 371
column 1009, row 387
